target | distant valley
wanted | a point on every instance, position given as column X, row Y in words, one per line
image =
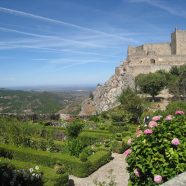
column 42, row 100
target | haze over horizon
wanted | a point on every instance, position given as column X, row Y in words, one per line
column 78, row 42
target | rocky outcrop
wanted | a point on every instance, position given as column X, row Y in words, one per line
column 106, row 96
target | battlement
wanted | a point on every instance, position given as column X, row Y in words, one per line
column 177, row 46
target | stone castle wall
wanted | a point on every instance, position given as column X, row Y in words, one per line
column 180, row 38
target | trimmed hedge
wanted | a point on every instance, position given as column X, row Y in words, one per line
column 72, row 164
column 99, row 158
column 90, row 137
column 49, row 178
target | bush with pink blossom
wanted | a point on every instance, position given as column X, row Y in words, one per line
column 159, row 152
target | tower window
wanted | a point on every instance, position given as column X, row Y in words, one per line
column 152, row 61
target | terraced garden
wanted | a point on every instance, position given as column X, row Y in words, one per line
column 35, row 154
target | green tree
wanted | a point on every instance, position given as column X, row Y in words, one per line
column 73, row 129
column 151, row 83
column 177, row 84
column 132, row 103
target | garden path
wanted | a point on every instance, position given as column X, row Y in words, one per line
column 114, row 170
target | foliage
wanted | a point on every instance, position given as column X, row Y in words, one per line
column 151, row 83
column 121, row 117
column 47, row 175
column 160, row 151
column 75, row 147
column 9, row 175
column 72, row 164
column 74, row 128
column 83, row 156
column 177, row 85
column 29, row 102
column 176, row 105
column 132, row 103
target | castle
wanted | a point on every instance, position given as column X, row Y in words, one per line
column 152, row 57
column 141, row 59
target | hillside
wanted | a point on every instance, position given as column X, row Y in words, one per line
column 18, row 101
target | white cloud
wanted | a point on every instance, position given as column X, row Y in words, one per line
column 174, row 10
column 49, row 20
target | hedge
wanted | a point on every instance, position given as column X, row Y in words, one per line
column 90, row 137
column 99, row 158
column 72, row 164
column 49, row 178
column 11, row 126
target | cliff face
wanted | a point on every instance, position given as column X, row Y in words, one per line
column 106, row 96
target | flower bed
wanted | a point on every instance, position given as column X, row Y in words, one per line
column 158, row 153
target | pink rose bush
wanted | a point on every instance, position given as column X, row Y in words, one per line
column 156, row 118
column 148, row 131
column 175, row 141
column 127, row 152
column 152, row 124
column 169, row 118
column 157, row 179
column 158, row 150
column 179, row 112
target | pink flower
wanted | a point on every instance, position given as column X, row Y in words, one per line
column 148, row 131
column 169, row 117
column 129, row 141
column 138, row 132
column 157, row 179
column 175, row 141
column 137, row 173
column 127, row 152
column 156, row 118
column 152, row 124
column 179, row 112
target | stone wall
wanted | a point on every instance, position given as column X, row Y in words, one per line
column 180, row 42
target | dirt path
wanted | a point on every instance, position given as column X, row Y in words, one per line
column 115, row 170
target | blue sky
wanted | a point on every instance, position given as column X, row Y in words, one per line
column 73, row 42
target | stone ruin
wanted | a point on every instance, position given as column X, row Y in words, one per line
column 141, row 59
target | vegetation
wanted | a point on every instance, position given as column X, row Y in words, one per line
column 177, row 85
column 35, row 175
column 79, row 147
column 159, row 152
column 151, row 83
column 30, row 102
column 131, row 103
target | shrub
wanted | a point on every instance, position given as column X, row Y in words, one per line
column 132, row 103
column 83, row 156
column 48, row 177
column 74, row 129
column 158, row 153
column 75, row 147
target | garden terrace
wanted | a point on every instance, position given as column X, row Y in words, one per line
column 72, row 164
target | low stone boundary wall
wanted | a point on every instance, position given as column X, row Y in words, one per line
column 179, row 180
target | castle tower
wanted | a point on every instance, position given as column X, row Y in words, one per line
column 178, row 42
